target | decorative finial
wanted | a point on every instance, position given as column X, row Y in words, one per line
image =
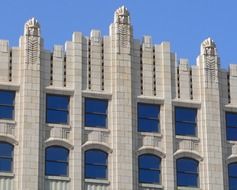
column 208, row 47
column 32, row 27
column 121, row 16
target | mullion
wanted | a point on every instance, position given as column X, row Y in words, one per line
column 96, row 164
column 148, row 118
column 233, row 127
column 188, row 122
column 151, row 169
column 97, row 113
column 63, row 110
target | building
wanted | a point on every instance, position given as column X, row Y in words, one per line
column 114, row 113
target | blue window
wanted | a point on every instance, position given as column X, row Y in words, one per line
column 96, row 112
column 231, row 126
column 187, row 172
column 57, row 109
column 232, row 172
column 148, row 117
column 185, row 121
column 7, row 101
column 96, row 162
column 6, row 157
column 56, row 161
column 149, row 169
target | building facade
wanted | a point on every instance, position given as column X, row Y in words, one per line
column 115, row 113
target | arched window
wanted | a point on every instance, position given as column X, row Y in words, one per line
column 149, row 168
column 96, row 163
column 187, row 172
column 6, row 157
column 232, row 173
column 56, row 161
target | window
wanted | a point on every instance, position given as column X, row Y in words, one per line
column 231, row 126
column 185, row 121
column 7, row 101
column 6, row 157
column 149, row 169
column 232, row 172
column 96, row 162
column 56, row 163
column 57, row 109
column 187, row 172
column 148, row 117
column 96, row 112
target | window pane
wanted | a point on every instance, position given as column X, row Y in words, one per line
column 96, row 172
column 187, row 165
column 7, row 97
column 185, row 129
column 95, row 120
column 57, row 102
column 96, row 105
column 96, row 157
column 187, row 180
column 6, row 150
column 149, row 162
column 148, row 125
column 57, row 154
column 56, row 116
column 231, row 119
column 5, row 165
column 6, row 112
column 149, row 176
column 231, row 134
column 56, row 168
column 148, row 110
column 185, row 114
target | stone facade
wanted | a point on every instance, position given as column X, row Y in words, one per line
column 125, row 71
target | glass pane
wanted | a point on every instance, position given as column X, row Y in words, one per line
column 57, row 102
column 187, row 180
column 149, row 162
column 148, row 125
column 96, row 105
column 233, row 183
column 148, row 110
column 185, row 114
column 57, row 153
column 149, row 176
column 185, row 129
column 96, row 157
column 187, row 165
column 5, row 165
column 96, row 172
column 7, row 97
column 56, row 169
column 55, row 116
column 95, row 120
column 231, row 134
column 232, row 170
column 6, row 150
column 6, row 112
column 231, row 119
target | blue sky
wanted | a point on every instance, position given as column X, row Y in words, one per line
column 185, row 23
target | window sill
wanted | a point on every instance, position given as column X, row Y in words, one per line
column 155, row 134
column 8, row 121
column 5, row 174
column 9, row 86
column 188, row 188
column 150, row 185
column 186, row 103
column 96, row 129
column 96, row 94
column 181, row 137
column 98, row 181
column 57, row 178
column 59, row 90
column 50, row 125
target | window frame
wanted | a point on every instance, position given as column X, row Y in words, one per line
column 100, row 165
column 186, row 172
column 232, row 127
column 9, row 105
column 148, row 118
column 61, row 110
column 235, row 177
column 96, row 113
column 187, row 122
column 150, row 169
column 57, row 161
column 11, row 158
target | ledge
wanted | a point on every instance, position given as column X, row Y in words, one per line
column 9, row 86
column 57, row 178
column 97, row 129
column 5, row 174
column 186, row 103
column 59, row 90
column 157, row 134
column 180, row 137
column 231, row 108
column 188, row 188
column 96, row 94
column 150, row 99
column 6, row 121
column 153, row 186
column 98, row 181
column 51, row 125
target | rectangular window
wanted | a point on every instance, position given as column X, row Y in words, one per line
column 57, row 109
column 96, row 112
column 148, row 117
column 185, row 121
column 7, row 103
column 231, row 126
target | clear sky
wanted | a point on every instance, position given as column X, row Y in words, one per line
column 185, row 23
